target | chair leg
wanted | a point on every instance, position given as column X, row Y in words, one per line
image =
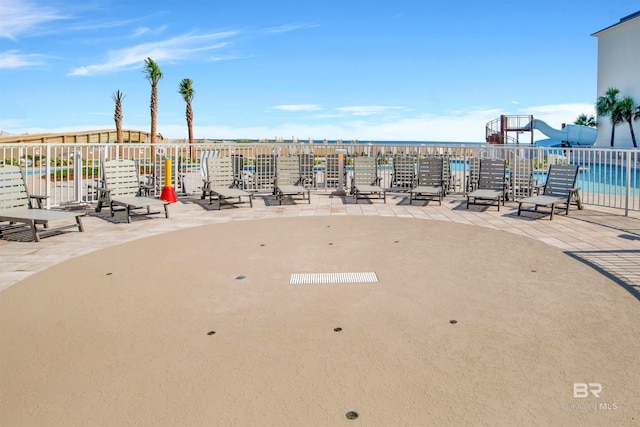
column 79, row 222
column 34, row 231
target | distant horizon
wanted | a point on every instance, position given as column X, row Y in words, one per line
column 4, row 134
column 406, row 70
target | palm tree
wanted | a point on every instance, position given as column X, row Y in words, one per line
column 186, row 90
column 153, row 75
column 629, row 112
column 583, row 120
column 117, row 97
column 606, row 106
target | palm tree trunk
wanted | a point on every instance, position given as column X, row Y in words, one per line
column 613, row 133
column 154, row 110
column 189, row 117
column 633, row 136
column 119, row 137
column 191, row 141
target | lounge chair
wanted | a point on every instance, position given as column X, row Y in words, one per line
column 288, row 181
column 559, row 191
column 404, row 171
column 221, row 182
column 448, row 178
column 472, row 177
column 332, row 178
column 491, row 184
column 16, row 206
column 237, row 160
column 265, row 171
column 122, row 188
column 203, row 160
column 430, row 180
column 521, row 178
column 365, row 181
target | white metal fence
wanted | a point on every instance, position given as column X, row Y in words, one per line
column 69, row 173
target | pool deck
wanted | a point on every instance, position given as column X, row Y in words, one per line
column 604, row 238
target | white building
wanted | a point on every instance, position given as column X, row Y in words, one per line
column 619, row 67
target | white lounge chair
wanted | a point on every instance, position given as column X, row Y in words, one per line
column 288, row 181
column 332, row 178
column 365, row 180
column 265, row 171
column 16, row 206
column 430, row 180
column 122, row 188
column 220, row 182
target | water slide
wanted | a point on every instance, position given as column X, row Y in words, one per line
column 570, row 135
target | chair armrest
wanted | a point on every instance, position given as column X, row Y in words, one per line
column 38, row 199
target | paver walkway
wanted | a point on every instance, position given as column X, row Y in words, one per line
column 602, row 238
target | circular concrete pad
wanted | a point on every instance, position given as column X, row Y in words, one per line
column 125, row 335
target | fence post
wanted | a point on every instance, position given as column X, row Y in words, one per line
column 47, row 191
column 77, row 177
column 628, row 184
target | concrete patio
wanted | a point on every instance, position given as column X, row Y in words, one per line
column 602, row 237
column 467, row 317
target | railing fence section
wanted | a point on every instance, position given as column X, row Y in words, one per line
column 70, row 173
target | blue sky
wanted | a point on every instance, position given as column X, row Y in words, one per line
column 417, row 70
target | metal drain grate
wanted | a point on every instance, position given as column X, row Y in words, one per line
column 329, row 278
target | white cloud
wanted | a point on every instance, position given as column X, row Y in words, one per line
column 368, row 110
column 290, row 27
column 140, row 31
column 457, row 126
column 177, row 48
column 465, row 126
column 10, row 124
column 22, row 17
column 15, row 59
column 297, row 107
